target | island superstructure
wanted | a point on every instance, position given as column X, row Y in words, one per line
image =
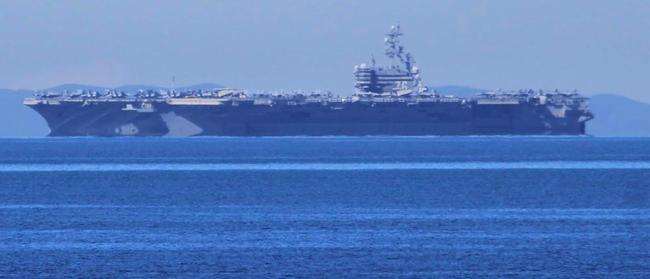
column 388, row 100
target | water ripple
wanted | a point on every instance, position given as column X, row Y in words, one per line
column 326, row 166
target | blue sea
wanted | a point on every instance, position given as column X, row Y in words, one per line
column 342, row 207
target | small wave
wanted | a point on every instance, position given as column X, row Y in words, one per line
column 311, row 166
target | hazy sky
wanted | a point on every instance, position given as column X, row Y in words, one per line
column 593, row 45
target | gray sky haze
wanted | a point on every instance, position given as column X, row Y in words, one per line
column 595, row 46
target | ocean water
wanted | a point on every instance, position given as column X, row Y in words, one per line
column 430, row 207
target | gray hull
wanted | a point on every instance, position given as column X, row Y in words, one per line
column 352, row 119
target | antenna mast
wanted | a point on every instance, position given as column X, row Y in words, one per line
column 393, row 47
column 173, row 89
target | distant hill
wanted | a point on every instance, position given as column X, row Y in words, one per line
column 16, row 119
column 618, row 116
column 202, row 86
column 74, row 87
column 461, row 91
column 130, row 88
column 615, row 115
column 133, row 88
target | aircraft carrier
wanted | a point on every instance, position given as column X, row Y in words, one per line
column 387, row 100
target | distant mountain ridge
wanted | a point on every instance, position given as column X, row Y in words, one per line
column 16, row 119
column 618, row 116
column 461, row 91
column 456, row 90
column 130, row 88
column 615, row 115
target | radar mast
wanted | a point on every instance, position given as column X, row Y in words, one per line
column 394, row 50
column 400, row 78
